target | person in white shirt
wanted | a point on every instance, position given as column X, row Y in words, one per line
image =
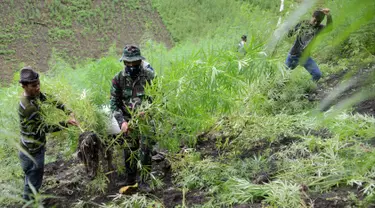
column 241, row 45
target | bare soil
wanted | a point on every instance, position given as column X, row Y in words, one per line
column 337, row 198
column 33, row 45
column 361, row 82
column 67, row 181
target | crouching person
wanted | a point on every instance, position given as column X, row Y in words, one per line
column 34, row 129
column 128, row 92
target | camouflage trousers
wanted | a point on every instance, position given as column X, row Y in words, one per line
column 136, row 148
column 143, row 146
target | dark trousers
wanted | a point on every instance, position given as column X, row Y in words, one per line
column 130, row 157
column 33, row 172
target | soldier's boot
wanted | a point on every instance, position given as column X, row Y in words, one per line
column 145, row 157
column 131, row 172
column 130, row 186
column 108, row 156
column 144, row 187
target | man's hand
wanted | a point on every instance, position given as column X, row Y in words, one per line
column 124, row 127
column 73, row 122
column 325, row 11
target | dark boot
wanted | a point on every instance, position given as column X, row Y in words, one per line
column 130, row 184
column 131, row 179
column 110, row 170
column 144, row 187
column 145, row 157
column 130, row 167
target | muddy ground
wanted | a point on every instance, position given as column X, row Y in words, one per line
column 68, row 181
column 360, row 80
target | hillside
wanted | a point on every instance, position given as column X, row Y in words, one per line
column 31, row 31
column 231, row 129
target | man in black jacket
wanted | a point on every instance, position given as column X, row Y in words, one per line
column 34, row 129
column 306, row 31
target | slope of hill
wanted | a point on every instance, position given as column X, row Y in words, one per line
column 32, row 30
column 236, row 130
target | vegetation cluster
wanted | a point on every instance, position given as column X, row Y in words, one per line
column 273, row 146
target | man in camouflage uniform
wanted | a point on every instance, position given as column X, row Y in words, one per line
column 127, row 93
column 306, row 31
column 34, row 128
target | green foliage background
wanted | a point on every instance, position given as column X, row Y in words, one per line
column 203, row 84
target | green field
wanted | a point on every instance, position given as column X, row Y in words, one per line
column 238, row 130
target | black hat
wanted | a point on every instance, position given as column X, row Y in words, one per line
column 319, row 15
column 131, row 53
column 28, row 75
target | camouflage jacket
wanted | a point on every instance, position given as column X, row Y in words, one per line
column 32, row 124
column 305, row 34
column 128, row 92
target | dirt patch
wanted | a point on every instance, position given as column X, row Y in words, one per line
column 359, row 81
column 337, row 198
column 31, row 31
column 174, row 197
column 64, row 180
column 207, row 147
column 213, row 143
column 67, row 181
column 366, row 107
column 264, row 146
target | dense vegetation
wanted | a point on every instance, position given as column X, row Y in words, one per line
column 253, row 110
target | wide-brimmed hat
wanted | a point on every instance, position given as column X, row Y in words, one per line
column 131, row 53
column 28, row 75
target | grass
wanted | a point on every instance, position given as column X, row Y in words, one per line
column 84, row 24
column 7, row 52
column 257, row 109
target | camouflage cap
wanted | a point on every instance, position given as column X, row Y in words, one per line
column 131, row 53
column 28, row 75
